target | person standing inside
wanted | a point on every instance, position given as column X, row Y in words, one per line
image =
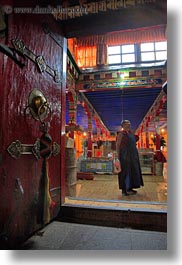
column 130, row 177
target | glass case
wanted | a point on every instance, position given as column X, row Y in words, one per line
column 146, row 156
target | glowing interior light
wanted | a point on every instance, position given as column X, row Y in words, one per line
column 122, row 75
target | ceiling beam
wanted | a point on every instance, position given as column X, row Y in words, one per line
column 134, row 16
column 84, row 98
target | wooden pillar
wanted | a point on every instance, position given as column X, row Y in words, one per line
column 141, row 139
column 157, row 130
column 89, row 138
column 72, row 107
column 72, row 99
column 138, row 143
column 89, row 150
column 98, row 133
column 147, row 135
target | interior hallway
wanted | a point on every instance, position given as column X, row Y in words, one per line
column 103, row 191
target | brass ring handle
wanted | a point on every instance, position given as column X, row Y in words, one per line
column 46, row 106
column 37, row 105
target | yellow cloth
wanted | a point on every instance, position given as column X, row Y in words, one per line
column 47, row 197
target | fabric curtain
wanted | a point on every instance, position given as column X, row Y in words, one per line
column 102, row 54
column 92, row 50
column 131, row 36
column 157, row 33
column 86, row 56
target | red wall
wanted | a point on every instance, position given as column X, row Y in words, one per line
column 18, row 212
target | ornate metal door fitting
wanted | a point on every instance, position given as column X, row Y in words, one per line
column 38, row 60
column 38, row 106
column 48, row 31
column 16, row 149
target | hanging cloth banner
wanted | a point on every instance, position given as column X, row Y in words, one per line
column 44, row 201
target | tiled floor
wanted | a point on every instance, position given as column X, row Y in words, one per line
column 69, row 236
column 103, row 190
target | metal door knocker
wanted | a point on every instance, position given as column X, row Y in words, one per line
column 38, row 106
column 43, row 147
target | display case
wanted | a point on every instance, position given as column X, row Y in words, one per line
column 97, row 166
column 146, row 157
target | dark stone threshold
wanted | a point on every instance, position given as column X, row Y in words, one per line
column 141, row 220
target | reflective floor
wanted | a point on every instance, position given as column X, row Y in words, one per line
column 103, row 190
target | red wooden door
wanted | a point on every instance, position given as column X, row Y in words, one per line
column 20, row 178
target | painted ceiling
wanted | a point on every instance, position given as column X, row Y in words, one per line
column 115, row 105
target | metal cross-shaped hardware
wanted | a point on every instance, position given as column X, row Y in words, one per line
column 19, row 59
column 39, row 60
column 48, row 31
column 16, row 149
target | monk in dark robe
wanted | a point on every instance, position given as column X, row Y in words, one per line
column 130, row 177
